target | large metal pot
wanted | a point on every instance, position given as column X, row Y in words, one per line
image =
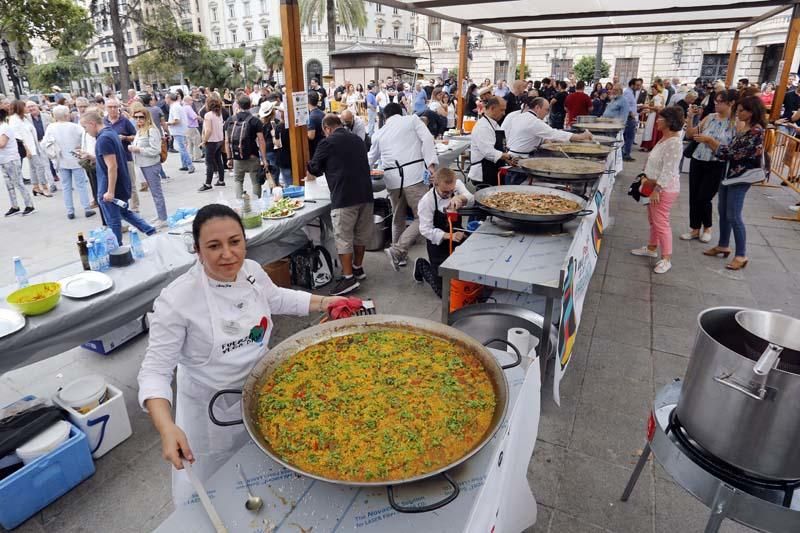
column 737, row 402
column 359, row 324
column 558, row 218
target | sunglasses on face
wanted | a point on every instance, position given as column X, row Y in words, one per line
column 139, row 117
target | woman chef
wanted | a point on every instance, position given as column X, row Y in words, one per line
column 213, row 323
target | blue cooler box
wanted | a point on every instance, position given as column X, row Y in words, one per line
column 45, row 479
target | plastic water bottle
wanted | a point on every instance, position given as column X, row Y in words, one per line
column 110, row 239
column 120, row 203
column 92, row 256
column 426, row 177
column 20, row 273
column 136, row 245
column 103, row 261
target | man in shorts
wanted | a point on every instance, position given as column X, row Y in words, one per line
column 342, row 157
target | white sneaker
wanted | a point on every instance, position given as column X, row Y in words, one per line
column 794, row 208
column 644, row 251
column 663, row 266
column 689, row 236
column 705, row 236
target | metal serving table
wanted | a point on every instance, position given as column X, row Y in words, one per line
column 74, row 322
column 494, row 492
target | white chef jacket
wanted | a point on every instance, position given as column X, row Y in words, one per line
column 427, row 206
column 180, row 326
column 359, row 128
column 482, row 146
column 401, row 140
column 527, row 132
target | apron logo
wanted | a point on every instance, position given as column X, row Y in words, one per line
column 257, row 332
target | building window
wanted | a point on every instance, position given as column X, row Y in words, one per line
column 396, row 33
column 111, row 56
column 379, row 32
column 714, row 67
column 378, row 8
column 234, row 36
column 214, row 14
column 263, row 6
column 128, row 36
column 187, row 25
column 104, row 57
column 139, row 34
column 434, row 29
column 231, row 11
column 338, row 29
column 216, row 37
column 249, row 35
column 140, row 48
column 246, row 6
column 130, row 52
column 96, row 68
column 360, row 32
column 395, row 11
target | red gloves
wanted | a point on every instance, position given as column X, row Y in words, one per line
column 344, row 308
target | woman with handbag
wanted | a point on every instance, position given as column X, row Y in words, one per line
column 745, row 158
column 662, row 178
column 655, row 104
column 705, row 169
column 146, row 150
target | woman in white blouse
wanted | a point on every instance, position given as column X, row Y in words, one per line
column 662, row 172
column 213, row 323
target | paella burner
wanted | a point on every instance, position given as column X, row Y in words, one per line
column 764, row 504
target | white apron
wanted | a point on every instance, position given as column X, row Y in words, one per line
column 241, row 325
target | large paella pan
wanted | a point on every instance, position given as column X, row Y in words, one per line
column 576, row 150
column 374, row 400
column 531, row 203
column 562, row 168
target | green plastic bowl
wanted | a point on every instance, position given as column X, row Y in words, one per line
column 35, row 299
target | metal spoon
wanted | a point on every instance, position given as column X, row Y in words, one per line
column 253, row 503
column 563, row 152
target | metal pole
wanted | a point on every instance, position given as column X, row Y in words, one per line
column 463, row 45
column 293, row 76
column 598, row 59
column 788, row 58
column 522, row 60
column 732, row 61
column 430, row 54
column 655, row 51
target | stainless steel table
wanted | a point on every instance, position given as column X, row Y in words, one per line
column 74, row 322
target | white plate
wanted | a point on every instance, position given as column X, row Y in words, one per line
column 85, row 284
column 10, row 322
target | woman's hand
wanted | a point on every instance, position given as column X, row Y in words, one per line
column 655, row 197
column 175, row 446
column 134, row 149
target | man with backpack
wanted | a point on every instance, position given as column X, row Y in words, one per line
column 245, row 147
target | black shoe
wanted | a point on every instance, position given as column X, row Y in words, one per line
column 417, row 272
column 344, row 286
column 172, row 151
column 27, row 211
column 89, row 213
column 184, row 168
column 205, row 188
column 629, row 158
column 393, row 260
column 71, row 216
column 359, row 273
column 219, row 184
column 12, row 211
column 26, row 181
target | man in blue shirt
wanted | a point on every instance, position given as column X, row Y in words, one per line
column 315, row 116
column 127, row 133
column 420, row 98
column 113, row 181
column 632, row 123
column 618, row 108
column 372, row 108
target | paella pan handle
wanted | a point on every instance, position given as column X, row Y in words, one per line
column 211, row 408
column 471, row 211
column 516, row 351
column 424, row 508
column 584, row 212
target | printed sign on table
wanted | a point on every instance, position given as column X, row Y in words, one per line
column 300, row 106
column 577, row 272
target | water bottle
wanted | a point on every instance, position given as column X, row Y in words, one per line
column 20, row 273
column 103, row 261
column 92, row 256
column 136, row 245
column 110, row 240
column 426, row 177
column 120, row 203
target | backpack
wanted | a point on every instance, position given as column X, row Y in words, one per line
column 239, row 142
column 311, row 267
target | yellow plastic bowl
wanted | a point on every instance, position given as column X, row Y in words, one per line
column 35, row 299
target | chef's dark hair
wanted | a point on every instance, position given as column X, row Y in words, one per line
column 208, row 212
column 392, row 109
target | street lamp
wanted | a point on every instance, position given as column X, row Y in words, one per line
column 243, row 46
column 472, row 44
column 13, row 67
column 430, row 54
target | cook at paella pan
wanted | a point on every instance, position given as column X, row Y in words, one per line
column 213, row 324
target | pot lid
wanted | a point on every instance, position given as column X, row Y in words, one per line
column 82, row 391
column 46, row 440
column 772, row 327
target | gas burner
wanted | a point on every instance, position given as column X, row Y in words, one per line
column 765, row 504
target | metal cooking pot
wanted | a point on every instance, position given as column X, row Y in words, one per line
column 360, row 324
column 483, row 194
column 532, row 166
column 740, row 399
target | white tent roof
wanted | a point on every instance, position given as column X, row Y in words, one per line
column 537, row 19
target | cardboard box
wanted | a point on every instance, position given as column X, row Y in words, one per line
column 109, row 342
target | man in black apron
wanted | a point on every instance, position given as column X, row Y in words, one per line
column 487, row 151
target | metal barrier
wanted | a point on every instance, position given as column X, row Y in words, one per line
column 784, row 151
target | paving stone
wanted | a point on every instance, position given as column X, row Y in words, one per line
column 675, row 295
column 590, row 490
column 627, row 331
column 628, row 396
column 609, row 435
column 624, row 307
column 562, row 522
column 677, row 510
column 544, row 471
column 612, row 359
column 782, row 238
column 676, row 316
column 631, row 271
column 667, row 367
column 678, row 341
column 625, row 287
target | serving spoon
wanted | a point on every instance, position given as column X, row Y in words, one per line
column 253, row 503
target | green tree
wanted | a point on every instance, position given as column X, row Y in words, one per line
column 524, row 76
column 584, row 69
column 272, row 52
column 209, row 68
column 349, row 14
column 59, row 72
column 239, row 62
column 156, row 20
column 152, row 66
column 62, row 24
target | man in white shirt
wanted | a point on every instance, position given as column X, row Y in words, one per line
column 487, row 151
column 178, row 127
column 527, row 131
column 354, row 123
column 406, row 150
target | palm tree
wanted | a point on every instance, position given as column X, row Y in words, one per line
column 240, row 62
column 272, row 52
column 350, row 14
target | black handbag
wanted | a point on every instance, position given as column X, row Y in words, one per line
column 690, row 148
